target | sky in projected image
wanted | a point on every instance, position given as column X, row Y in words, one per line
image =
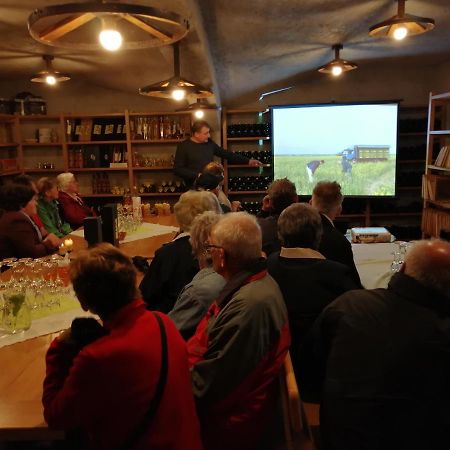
column 327, row 130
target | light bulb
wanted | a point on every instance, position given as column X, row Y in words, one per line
column 178, row 94
column 110, row 40
column 199, row 114
column 400, row 33
column 50, row 79
column 336, row 70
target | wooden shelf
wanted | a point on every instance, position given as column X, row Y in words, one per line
column 157, row 141
column 8, row 144
column 441, row 203
column 246, row 192
column 12, row 172
column 250, row 138
column 89, row 116
column 96, row 142
column 443, row 169
column 161, row 194
column 141, row 168
column 159, row 113
column 99, row 169
column 352, row 216
column 41, row 144
column 39, row 117
column 246, row 166
column 397, row 214
column 43, row 170
column 440, row 132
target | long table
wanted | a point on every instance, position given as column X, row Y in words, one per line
column 23, row 365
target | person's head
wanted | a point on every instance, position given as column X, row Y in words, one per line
column 193, row 203
column 327, row 198
column 300, row 225
column 208, row 182
column 428, row 262
column 25, row 180
column 67, row 182
column 235, row 243
column 104, row 279
column 200, row 131
column 18, row 197
column 47, row 188
column 282, row 193
column 200, row 231
column 214, row 167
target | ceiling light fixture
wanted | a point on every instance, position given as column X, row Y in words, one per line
column 74, row 25
column 337, row 66
column 199, row 108
column 176, row 88
column 401, row 25
column 49, row 75
column 110, row 39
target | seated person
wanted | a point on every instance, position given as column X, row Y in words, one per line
column 26, row 180
column 385, row 355
column 327, row 198
column 72, row 208
column 211, row 182
column 239, row 346
column 217, row 169
column 20, row 237
column 174, row 265
column 47, row 208
column 102, row 381
column 308, row 281
column 280, row 194
column 196, row 297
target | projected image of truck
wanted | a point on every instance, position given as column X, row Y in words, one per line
column 355, row 145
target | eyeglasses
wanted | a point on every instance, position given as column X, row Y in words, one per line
column 209, row 246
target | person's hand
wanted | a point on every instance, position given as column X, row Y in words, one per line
column 236, row 206
column 52, row 240
column 254, row 163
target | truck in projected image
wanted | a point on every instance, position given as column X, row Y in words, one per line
column 366, row 153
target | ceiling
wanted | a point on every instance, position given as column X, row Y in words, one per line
column 239, row 48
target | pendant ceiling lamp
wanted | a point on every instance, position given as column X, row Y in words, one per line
column 337, row 65
column 96, row 25
column 176, row 88
column 49, row 75
column 199, row 107
column 402, row 25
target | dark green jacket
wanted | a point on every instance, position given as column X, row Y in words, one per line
column 49, row 214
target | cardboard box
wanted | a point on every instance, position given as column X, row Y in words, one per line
column 367, row 235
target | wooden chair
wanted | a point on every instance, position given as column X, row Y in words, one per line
column 297, row 431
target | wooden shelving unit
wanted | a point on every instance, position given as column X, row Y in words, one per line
column 436, row 181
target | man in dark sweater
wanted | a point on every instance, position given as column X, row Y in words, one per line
column 327, row 199
column 195, row 153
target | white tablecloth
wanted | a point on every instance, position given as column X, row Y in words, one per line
column 373, row 262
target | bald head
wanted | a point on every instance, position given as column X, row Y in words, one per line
column 429, row 263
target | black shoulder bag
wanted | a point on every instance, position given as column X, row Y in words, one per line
column 156, row 400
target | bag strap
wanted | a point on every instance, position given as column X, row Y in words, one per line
column 156, row 400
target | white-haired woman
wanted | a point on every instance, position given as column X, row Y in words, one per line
column 197, row 296
column 174, row 265
column 72, row 208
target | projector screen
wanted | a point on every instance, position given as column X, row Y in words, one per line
column 353, row 144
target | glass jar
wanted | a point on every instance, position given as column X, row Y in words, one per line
column 16, row 312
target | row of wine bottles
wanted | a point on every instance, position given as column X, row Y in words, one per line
column 260, row 183
column 249, row 130
column 265, row 156
column 251, row 207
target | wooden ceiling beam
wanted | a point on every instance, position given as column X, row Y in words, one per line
column 147, row 28
column 59, row 29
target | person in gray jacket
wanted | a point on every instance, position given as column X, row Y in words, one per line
column 197, row 296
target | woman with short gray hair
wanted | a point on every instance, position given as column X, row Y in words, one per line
column 197, row 296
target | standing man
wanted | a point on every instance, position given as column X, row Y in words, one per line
column 195, row 153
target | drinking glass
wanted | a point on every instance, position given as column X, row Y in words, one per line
column 16, row 315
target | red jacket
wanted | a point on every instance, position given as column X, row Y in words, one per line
column 72, row 211
column 106, row 389
column 235, row 355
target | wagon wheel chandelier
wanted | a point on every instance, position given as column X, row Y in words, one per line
column 130, row 27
